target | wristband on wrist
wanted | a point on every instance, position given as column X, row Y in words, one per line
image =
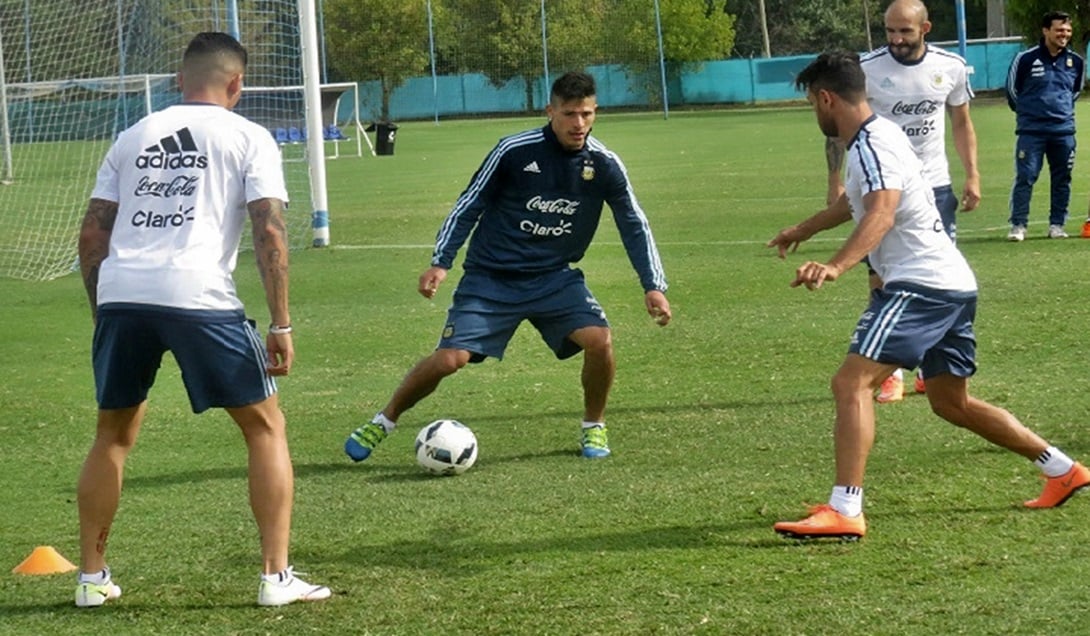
column 279, row 330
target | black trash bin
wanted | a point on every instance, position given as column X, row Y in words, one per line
column 385, row 135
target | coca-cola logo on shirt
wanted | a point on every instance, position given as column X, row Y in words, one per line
column 922, row 107
column 182, row 185
column 566, row 207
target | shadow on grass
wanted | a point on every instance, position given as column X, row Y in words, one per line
column 404, row 472
column 132, row 609
column 470, row 555
column 676, row 410
column 409, row 472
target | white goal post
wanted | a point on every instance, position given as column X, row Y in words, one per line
column 71, row 81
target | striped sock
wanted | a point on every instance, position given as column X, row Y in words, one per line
column 1053, row 462
column 847, row 500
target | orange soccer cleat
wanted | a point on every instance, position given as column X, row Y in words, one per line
column 824, row 523
column 1086, row 229
column 893, row 390
column 920, row 386
column 1059, row 489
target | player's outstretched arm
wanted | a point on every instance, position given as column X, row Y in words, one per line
column 789, row 238
column 658, row 307
column 430, row 281
column 813, row 274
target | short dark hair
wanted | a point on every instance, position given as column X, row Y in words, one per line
column 1054, row 16
column 837, row 72
column 573, row 85
column 212, row 43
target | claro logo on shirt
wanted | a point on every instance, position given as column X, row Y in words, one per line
column 153, row 219
column 561, row 207
column 172, row 152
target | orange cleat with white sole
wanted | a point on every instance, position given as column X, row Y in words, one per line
column 920, row 386
column 893, row 390
column 824, row 522
column 1059, row 489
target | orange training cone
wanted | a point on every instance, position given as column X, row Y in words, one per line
column 44, row 560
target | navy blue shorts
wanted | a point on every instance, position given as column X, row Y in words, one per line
column 918, row 327
column 947, row 203
column 220, row 353
column 489, row 307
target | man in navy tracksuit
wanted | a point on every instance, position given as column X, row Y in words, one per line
column 1042, row 86
column 532, row 208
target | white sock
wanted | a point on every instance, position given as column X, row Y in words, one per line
column 279, row 578
column 96, row 578
column 847, row 500
column 1053, row 462
column 383, row 421
column 899, row 374
column 593, row 424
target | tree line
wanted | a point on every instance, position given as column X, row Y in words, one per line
column 390, row 41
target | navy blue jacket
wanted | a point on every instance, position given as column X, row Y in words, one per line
column 1042, row 90
column 533, row 207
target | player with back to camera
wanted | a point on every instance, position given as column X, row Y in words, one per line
column 533, row 207
column 922, row 315
column 158, row 266
column 916, row 85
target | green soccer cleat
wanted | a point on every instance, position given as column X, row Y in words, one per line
column 363, row 440
column 595, row 442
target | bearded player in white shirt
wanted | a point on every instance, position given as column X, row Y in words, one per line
column 921, row 316
column 915, row 85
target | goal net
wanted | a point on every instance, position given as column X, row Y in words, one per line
column 74, row 75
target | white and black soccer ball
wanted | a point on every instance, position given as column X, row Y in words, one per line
column 446, row 447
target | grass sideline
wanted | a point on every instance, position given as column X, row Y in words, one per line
column 720, row 425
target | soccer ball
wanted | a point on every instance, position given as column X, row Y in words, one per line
column 446, row 447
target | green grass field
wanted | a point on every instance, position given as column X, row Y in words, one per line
column 720, row 425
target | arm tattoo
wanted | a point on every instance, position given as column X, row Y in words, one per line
column 94, row 243
column 271, row 248
column 834, row 154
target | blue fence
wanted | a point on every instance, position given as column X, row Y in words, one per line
column 745, row 81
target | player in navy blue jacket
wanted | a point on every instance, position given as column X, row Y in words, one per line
column 529, row 212
column 1042, row 86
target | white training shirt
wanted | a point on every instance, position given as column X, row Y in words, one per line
column 182, row 178
column 916, row 250
column 915, row 97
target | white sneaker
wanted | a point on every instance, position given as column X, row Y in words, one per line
column 290, row 590
column 1056, row 231
column 95, row 595
column 1017, row 233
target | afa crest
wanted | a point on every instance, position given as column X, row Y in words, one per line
column 588, row 170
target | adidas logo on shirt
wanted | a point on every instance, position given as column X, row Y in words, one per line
column 532, row 167
column 173, row 151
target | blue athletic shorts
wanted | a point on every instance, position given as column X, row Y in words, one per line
column 947, row 203
column 220, row 353
column 914, row 326
column 488, row 308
